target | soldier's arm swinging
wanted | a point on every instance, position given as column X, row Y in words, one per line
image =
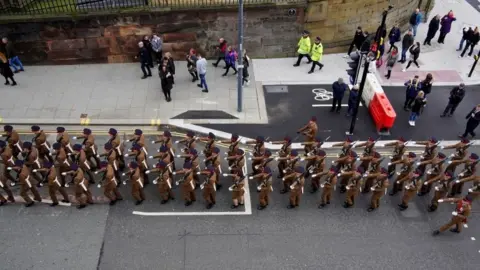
column 421, row 142
column 434, row 179
column 361, row 144
column 452, row 146
column 391, row 144
column 337, row 144
column 469, row 178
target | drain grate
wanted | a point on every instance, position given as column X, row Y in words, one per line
column 273, row 89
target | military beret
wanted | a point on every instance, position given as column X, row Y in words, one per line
column 138, row 132
column 294, row 153
column 448, row 173
column 360, row 170
column 136, row 147
column 27, row 145
column 163, row 149
column 87, row 131
column 133, row 165
column 56, row 146
column 211, row 169
column 103, row 164
column 318, row 139
column 299, row 169
column 167, row 133
column 35, row 128
column 473, row 156
column 74, row 167
column 7, row 128
column 77, row 147
column 211, row 136
column 412, row 155
column 349, row 139
column 267, row 153
column 287, row 138
column 377, row 155
column 216, row 150
column 468, row 198
column 3, row 144
column 313, row 118
column 112, row 131
column 321, row 153
column 402, row 139
column 383, row 171
column 187, row 165
column 465, row 140
column 441, row 155
column 240, row 152
column 371, row 139
column 48, row 165
column 267, row 170
column 418, row 172
column 161, row 164
column 353, row 154
column 190, row 134
column 234, row 137
column 60, row 129
column 260, row 139
column 433, row 140
column 108, row 146
column 193, row 151
column 18, row 163
column 333, row 169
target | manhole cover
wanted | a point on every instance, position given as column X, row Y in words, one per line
column 276, row 88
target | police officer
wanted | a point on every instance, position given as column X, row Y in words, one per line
column 378, row 189
column 91, row 149
column 42, row 145
column 407, row 167
column 265, row 187
column 459, row 216
column 397, row 155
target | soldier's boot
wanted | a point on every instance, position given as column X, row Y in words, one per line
column 436, row 232
column 218, row 186
column 402, row 206
column 113, row 202
column 3, row 202
column 81, row 206
column 370, row 209
column 261, row 207
column 432, row 208
column 188, row 203
column 346, row 205
column 29, row 204
column 54, row 204
column 322, row 205
column 455, row 230
column 138, row 202
column 314, row 189
column 209, row 206
column 165, row 201
column 343, row 189
column 290, row 206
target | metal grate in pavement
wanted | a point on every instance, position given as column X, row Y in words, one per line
column 273, row 89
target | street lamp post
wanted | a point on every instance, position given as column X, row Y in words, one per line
column 240, row 56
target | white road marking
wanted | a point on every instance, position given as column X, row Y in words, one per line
column 330, row 105
column 247, row 200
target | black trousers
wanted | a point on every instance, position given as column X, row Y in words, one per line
column 441, row 37
column 316, row 63
column 167, row 91
column 350, row 49
column 471, row 45
column 300, row 57
column 220, row 58
column 414, row 61
column 336, row 103
column 228, row 68
column 428, row 40
column 194, row 74
column 471, row 126
column 450, row 107
column 9, row 77
column 408, row 102
column 158, row 56
column 145, row 67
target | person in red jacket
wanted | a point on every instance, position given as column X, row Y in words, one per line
column 222, row 50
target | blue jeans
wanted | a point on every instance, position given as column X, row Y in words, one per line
column 14, row 62
column 460, row 46
column 404, row 54
column 203, row 81
column 413, row 116
column 414, row 29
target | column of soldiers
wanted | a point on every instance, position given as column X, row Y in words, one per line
column 82, row 161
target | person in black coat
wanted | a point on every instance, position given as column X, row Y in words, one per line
column 473, row 120
column 414, row 54
column 339, row 88
column 168, row 59
column 145, row 58
column 6, row 71
column 472, row 38
column 432, row 29
column 426, row 85
column 166, row 79
column 456, row 96
column 148, row 45
column 357, row 41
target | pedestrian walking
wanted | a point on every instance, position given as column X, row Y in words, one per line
column 472, row 41
column 157, row 47
column 367, row 42
column 415, row 20
column 456, row 96
column 148, row 45
column 12, row 56
column 473, row 119
column 414, row 54
column 6, row 71
column 407, row 42
column 170, row 65
column 202, row 72
column 246, row 64
column 339, row 88
column 466, row 31
column 432, row 29
column 317, row 53
column 166, row 79
column 446, row 25
column 304, row 47
column 357, row 41
column 417, row 107
column 391, row 60
column 411, row 92
column 230, row 59
column 394, row 36
column 352, row 101
column 221, row 50
column 426, row 85
column 145, row 57
column 192, row 64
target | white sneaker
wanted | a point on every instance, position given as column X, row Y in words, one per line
column 413, row 123
column 403, row 70
column 410, row 123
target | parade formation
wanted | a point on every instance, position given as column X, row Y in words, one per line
column 77, row 160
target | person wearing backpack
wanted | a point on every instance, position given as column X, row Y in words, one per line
column 411, row 92
column 415, row 20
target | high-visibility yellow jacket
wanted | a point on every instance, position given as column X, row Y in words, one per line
column 317, row 52
column 304, row 45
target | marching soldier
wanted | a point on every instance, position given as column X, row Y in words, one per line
column 118, row 147
column 429, row 153
column 192, row 157
column 316, row 147
column 238, row 161
column 469, row 170
column 31, row 161
column 139, row 139
column 459, row 216
column 407, row 167
column 8, row 161
column 111, row 157
column 61, row 162
column 353, row 187
column 398, row 152
column 378, row 189
column 291, row 164
column 25, row 183
column 82, row 191
column 468, row 175
column 348, row 171
column 8, row 191
column 164, row 180
column 310, row 131
column 13, row 140
column 435, row 170
column 83, row 162
column 141, row 160
column 375, row 159
column 367, row 152
column 258, row 152
column 209, row 186
column 232, row 148
column 189, row 141
column 328, row 185
column 317, row 166
column 53, row 183
column 217, row 166
column 343, row 157
column 64, row 139
column 261, row 161
column 188, row 186
column 459, row 155
column 209, row 145
column 137, row 182
column 441, row 189
column 42, row 145
column 265, row 187
column 413, row 182
column 237, row 189
column 91, row 149
column 296, row 188
column 109, row 181
column 166, row 140
column 283, row 154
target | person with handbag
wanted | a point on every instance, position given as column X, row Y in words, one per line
column 6, row 71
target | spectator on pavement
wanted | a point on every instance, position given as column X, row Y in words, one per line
column 456, row 96
column 466, row 31
column 446, row 24
column 473, row 120
column 352, row 101
column 6, row 71
column 170, row 65
column 357, row 41
column 367, row 42
column 166, row 78
column 192, row 64
column 246, row 64
column 407, row 42
column 413, row 86
column 339, row 88
column 391, row 60
column 394, row 36
column 432, row 30
column 148, row 45
column 157, row 46
column 145, row 59
column 417, row 107
column 12, row 56
column 304, row 47
column 426, row 85
column 414, row 54
column 202, row 72
column 317, row 53
column 415, row 20
column 222, row 50
column 230, row 59
column 472, row 41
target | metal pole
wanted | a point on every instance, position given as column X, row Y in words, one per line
column 240, row 55
column 474, row 65
column 360, row 92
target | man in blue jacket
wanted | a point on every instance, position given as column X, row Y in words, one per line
column 352, row 100
column 339, row 88
column 415, row 20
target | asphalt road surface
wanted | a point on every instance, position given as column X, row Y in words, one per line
column 104, row 237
